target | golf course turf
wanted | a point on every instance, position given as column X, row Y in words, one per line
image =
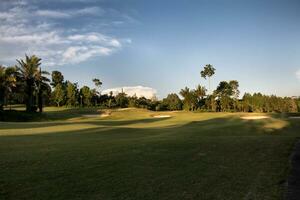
column 130, row 154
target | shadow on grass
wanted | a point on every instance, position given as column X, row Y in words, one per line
column 223, row 126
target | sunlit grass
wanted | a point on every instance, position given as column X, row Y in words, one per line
column 77, row 154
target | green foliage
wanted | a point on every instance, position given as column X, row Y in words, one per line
column 71, row 94
column 122, row 100
column 86, row 95
column 208, row 71
column 57, row 78
column 58, row 94
column 172, row 102
column 7, row 83
column 33, row 80
column 263, row 103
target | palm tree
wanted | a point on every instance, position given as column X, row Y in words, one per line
column 200, row 92
column 208, row 71
column 32, row 76
column 7, row 83
column 184, row 92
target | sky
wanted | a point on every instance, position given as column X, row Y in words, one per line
column 158, row 46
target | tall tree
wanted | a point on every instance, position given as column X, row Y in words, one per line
column 7, row 82
column 86, row 95
column 71, row 93
column 208, row 71
column 98, row 84
column 234, row 84
column 29, row 71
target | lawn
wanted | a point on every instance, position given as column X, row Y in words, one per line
column 75, row 154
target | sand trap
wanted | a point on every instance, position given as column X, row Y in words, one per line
column 97, row 115
column 295, row 117
column 162, row 116
column 255, row 117
column 122, row 109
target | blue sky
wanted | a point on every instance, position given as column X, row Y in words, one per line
column 159, row 44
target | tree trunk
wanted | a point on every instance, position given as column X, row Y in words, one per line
column 29, row 101
column 40, row 101
column 209, row 85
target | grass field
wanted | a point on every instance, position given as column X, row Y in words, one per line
column 75, row 154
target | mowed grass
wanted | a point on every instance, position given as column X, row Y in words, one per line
column 132, row 155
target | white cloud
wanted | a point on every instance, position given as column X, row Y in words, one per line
column 70, row 13
column 52, row 13
column 139, row 91
column 25, row 29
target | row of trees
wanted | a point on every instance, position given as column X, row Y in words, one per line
column 27, row 83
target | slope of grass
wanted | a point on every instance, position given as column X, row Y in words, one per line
column 131, row 155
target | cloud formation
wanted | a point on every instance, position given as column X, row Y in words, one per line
column 25, row 28
column 139, row 91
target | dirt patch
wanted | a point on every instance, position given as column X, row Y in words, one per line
column 255, row 117
column 162, row 116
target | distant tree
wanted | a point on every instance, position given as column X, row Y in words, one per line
column 86, row 94
column 58, row 95
column 234, row 84
column 172, row 102
column 122, row 100
column 224, row 92
column 190, row 99
column 71, row 93
column 200, row 91
column 57, row 78
column 7, row 83
column 29, row 71
column 208, row 71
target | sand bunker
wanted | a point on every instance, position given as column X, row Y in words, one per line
column 294, row 117
column 255, row 117
column 162, row 116
column 98, row 115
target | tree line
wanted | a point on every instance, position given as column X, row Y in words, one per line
column 26, row 83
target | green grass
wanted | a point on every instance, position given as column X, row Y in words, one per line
column 131, row 155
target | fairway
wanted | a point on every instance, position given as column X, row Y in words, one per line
column 131, row 154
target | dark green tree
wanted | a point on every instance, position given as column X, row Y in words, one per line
column 86, row 95
column 71, row 93
column 57, row 78
column 172, row 102
column 7, row 83
column 29, row 71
